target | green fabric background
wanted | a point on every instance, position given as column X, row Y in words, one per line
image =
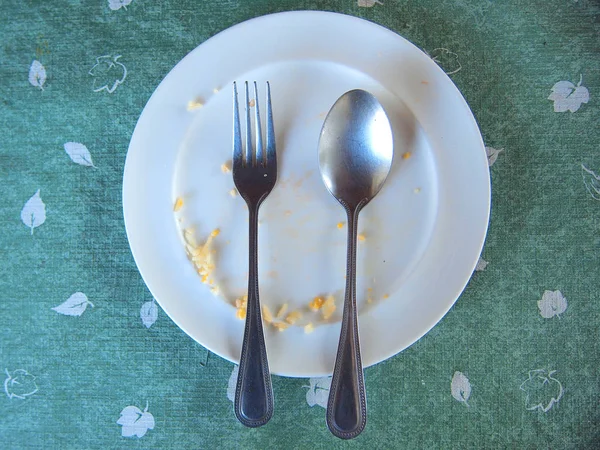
column 544, row 235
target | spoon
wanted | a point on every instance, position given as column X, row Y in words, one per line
column 355, row 156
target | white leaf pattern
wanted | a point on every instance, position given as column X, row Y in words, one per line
column 33, row 213
column 460, row 387
column 568, row 97
column 149, row 313
column 37, row 74
column 368, row 3
column 108, row 73
column 591, row 182
column 79, row 154
column 492, row 154
column 231, row 385
column 19, row 384
column 75, row 305
column 447, row 60
column 135, row 422
column 318, row 391
column 553, row 303
column 481, row 265
column 542, row 389
column 118, row 4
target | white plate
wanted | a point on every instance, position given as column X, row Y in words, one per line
column 424, row 231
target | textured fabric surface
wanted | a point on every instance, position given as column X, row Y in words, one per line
column 89, row 359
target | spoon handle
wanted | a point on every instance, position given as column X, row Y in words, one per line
column 347, row 404
column 254, row 392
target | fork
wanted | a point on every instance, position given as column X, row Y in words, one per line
column 254, row 175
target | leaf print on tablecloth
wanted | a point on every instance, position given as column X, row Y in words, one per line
column 318, row 391
column 118, row 4
column 460, row 387
column 33, row 213
column 553, row 303
column 149, row 313
column 75, row 305
column 481, row 265
column 232, row 383
column 135, row 422
column 591, row 182
column 79, row 154
column 492, row 154
column 37, row 74
column 568, row 97
column 368, row 3
column 447, row 60
column 108, row 73
column 19, row 384
column 542, row 389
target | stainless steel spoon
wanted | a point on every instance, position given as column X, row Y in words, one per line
column 355, row 155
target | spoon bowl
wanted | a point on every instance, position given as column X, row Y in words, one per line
column 355, row 148
column 355, row 157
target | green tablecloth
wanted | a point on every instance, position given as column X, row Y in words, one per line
column 90, row 361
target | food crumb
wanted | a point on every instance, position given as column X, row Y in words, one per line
column 240, row 313
column 178, row 204
column 329, row 307
column 195, row 104
column 316, row 303
column 424, row 82
column 406, row 155
column 287, row 213
column 417, row 190
column 309, row 328
column 202, row 256
column 233, row 192
column 226, row 166
column 293, row 317
column 280, row 325
column 241, row 302
column 216, row 90
column 385, row 296
column 268, row 316
column 252, row 103
column 340, row 225
column 361, row 237
column 282, row 311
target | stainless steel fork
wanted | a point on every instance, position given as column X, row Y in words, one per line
column 254, row 175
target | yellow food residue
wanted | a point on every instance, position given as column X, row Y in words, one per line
column 316, row 303
column 252, row 103
column 282, row 311
column 406, row 155
column 386, row 296
column 233, row 192
column 195, row 104
column 340, row 225
column 202, row 256
column 241, row 313
column 178, row 204
column 361, row 237
column 309, row 328
column 328, row 307
column 293, row 317
column 267, row 315
column 226, row 167
column 280, row 325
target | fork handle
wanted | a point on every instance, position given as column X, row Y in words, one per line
column 347, row 404
column 254, row 392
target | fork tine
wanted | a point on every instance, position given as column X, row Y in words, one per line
column 237, row 135
column 260, row 154
column 250, row 158
column 271, row 152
